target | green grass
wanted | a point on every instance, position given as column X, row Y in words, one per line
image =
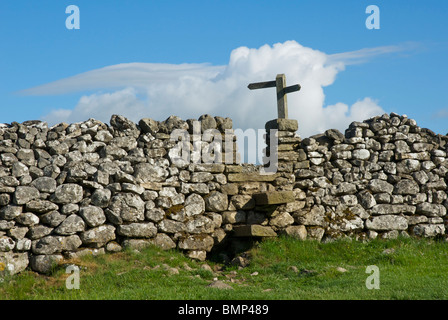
column 287, row 269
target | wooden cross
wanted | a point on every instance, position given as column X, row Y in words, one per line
column 282, row 90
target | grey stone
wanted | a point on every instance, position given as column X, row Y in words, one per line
column 27, row 219
column 207, row 122
column 163, row 241
column 200, row 188
column 41, row 206
column 402, row 147
column 216, row 202
column 431, row 209
column 124, row 126
column 290, row 125
column 315, row 233
column 70, row 208
column 38, row 231
column 25, row 194
column 45, row 263
column 113, row 152
column 196, row 242
column 194, row 205
column 233, row 217
column 10, row 212
column 282, row 220
column 313, row 217
column 70, row 243
column 82, row 252
column 243, row 202
column 6, row 244
column 200, row 177
column 154, row 214
column 366, row 199
column 220, row 285
column 93, row 216
column 14, row 262
column 387, row 222
column 67, row 193
column 361, row 154
column 137, row 244
column 145, row 172
column 335, row 134
column 170, row 226
column 137, row 230
column 406, row 186
column 129, row 187
column 103, row 136
column 393, row 234
column 46, row 245
column 26, row 156
column 349, row 200
column 23, row 244
column 99, row 236
column 380, row 186
column 415, row 219
column 45, row 184
column 126, row 143
column 9, row 159
column 4, row 199
column 345, row 188
column 149, row 126
column 71, row 225
column 297, row 232
column 408, row 166
column 59, row 149
column 19, row 169
column 6, row 225
column 129, row 207
column 199, row 225
column 428, row 230
column 101, row 198
column 382, row 209
column 224, row 123
column 421, row 177
column 9, row 181
column 169, row 192
column 112, row 246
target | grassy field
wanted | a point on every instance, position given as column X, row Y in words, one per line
column 280, row 268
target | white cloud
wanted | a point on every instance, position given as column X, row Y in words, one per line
column 140, row 90
column 340, row 114
column 137, row 75
column 100, row 106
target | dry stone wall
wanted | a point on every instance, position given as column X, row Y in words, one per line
column 90, row 187
column 385, row 177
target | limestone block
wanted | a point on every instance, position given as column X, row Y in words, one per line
column 274, row 197
column 137, row 230
column 13, row 262
column 196, row 242
column 387, row 222
column 253, row 230
column 281, row 124
column 99, row 236
column 297, row 232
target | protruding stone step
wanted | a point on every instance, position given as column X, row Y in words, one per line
column 280, row 124
column 253, row 230
column 251, row 177
column 273, row 197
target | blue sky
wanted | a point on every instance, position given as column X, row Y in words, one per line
column 210, row 50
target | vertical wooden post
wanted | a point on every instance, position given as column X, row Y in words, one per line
column 282, row 103
column 282, row 91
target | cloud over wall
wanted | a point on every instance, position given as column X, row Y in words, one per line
column 147, row 90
